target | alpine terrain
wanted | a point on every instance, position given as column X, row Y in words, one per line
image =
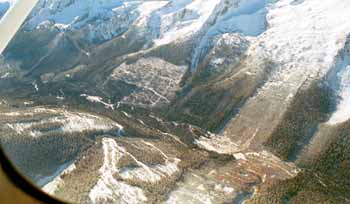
column 181, row 101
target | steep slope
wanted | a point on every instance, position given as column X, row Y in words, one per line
column 96, row 160
column 323, row 181
column 300, row 55
column 32, row 135
column 280, row 63
column 196, row 101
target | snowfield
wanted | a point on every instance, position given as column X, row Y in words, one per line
column 303, row 41
column 168, row 21
column 342, row 113
column 97, row 99
column 69, row 122
column 53, row 182
column 276, row 48
column 151, row 174
column 108, row 188
column 341, row 84
column 183, row 18
column 157, row 80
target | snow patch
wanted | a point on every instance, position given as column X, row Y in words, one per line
column 145, row 9
column 183, row 18
column 157, row 80
column 35, row 85
column 97, row 99
column 196, row 189
column 217, row 143
column 240, row 156
column 126, row 114
column 246, row 17
column 342, row 114
column 339, row 80
column 53, row 185
column 71, row 121
column 108, row 188
column 6, row 75
column 302, row 41
column 151, row 174
column 225, row 189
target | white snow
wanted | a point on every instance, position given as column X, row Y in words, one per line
column 217, row 143
column 156, row 148
column 342, row 83
column 157, row 79
column 223, row 188
column 302, row 41
column 60, row 98
column 227, row 51
column 141, row 121
column 247, row 17
column 189, row 194
column 218, row 61
column 71, row 121
column 240, row 156
column 198, row 189
column 151, row 174
column 7, row 74
column 183, row 18
column 82, row 121
column 318, row 33
column 174, row 138
column 156, row 118
column 147, row 8
column 97, row 99
column 108, row 188
column 103, row 19
column 53, row 185
column 35, row 85
column 126, row 114
column 27, row 103
column 168, row 20
column 66, row 14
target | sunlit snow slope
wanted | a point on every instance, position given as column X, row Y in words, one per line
column 304, row 41
column 175, row 101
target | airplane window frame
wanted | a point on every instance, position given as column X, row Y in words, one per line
column 22, row 183
column 11, row 22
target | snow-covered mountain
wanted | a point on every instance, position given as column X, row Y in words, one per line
column 305, row 41
column 167, row 20
column 182, row 101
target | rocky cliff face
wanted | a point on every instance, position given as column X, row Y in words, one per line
column 196, row 101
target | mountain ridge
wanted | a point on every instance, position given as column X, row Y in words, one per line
column 233, row 101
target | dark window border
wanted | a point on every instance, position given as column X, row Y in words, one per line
column 22, row 183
